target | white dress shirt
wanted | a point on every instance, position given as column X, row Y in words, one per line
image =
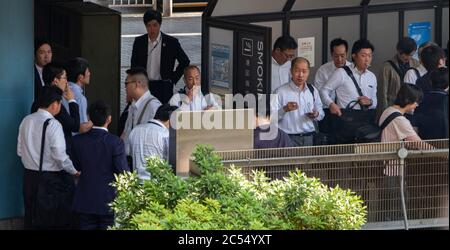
column 345, row 89
column 324, row 73
column 154, row 58
column 296, row 121
column 150, row 139
column 199, row 101
column 39, row 70
column 29, row 144
column 135, row 111
column 411, row 77
column 280, row 74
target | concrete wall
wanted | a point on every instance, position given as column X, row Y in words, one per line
column 16, row 94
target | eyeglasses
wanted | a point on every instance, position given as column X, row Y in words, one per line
column 289, row 57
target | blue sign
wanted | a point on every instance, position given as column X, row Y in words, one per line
column 420, row 32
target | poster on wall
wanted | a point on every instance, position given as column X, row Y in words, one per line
column 306, row 49
column 220, row 65
column 420, row 32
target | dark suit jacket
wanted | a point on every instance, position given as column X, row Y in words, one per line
column 170, row 51
column 70, row 122
column 431, row 117
column 98, row 155
column 37, row 84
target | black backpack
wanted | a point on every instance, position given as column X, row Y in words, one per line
column 399, row 72
column 375, row 132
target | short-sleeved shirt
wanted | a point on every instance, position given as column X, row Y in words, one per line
column 399, row 129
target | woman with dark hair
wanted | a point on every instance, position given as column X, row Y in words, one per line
column 400, row 128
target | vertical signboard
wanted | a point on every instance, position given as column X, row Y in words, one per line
column 252, row 69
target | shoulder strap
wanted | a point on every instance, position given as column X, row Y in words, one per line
column 350, row 73
column 41, row 159
column 311, row 89
column 395, row 67
column 389, row 119
column 417, row 72
column 143, row 110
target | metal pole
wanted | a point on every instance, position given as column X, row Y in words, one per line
column 167, row 7
column 403, row 153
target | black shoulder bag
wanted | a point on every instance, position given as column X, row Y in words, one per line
column 53, row 203
column 356, row 125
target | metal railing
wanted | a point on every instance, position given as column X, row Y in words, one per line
column 373, row 172
column 133, row 3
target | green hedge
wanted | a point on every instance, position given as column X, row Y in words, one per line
column 216, row 200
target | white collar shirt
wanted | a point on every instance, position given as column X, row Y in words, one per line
column 280, row 74
column 411, row 77
column 297, row 121
column 150, row 139
column 39, row 70
column 29, row 144
column 154, row 58
column 137, row 109
column 346, row 92
column 323, row 74
column 198, row 103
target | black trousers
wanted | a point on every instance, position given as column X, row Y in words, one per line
column 48, row 200
column 30, row 185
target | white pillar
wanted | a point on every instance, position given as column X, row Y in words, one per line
column 167, row 7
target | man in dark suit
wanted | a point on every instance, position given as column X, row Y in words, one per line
column 157, row 52
column 43, row 56
column 100, row 155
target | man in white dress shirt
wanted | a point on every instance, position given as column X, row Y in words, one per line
column 144, row 105
column 338, row 49
column 191, row 98
column 299, row 105
column 151, row 139
column 54, row 162
column 284, row 50
column 342, row 84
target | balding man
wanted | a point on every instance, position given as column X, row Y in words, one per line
column 299, row 105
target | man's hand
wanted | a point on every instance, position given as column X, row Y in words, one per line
column 208, row 107
column 68, row 94
column 290, row 106
column 364, row 100
column 77, row 174
column 85, row 127
column 334, row 109
column 312, row 114
column 193, row 92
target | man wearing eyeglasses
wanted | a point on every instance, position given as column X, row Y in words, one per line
column 284, row 50
column 144, row 105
